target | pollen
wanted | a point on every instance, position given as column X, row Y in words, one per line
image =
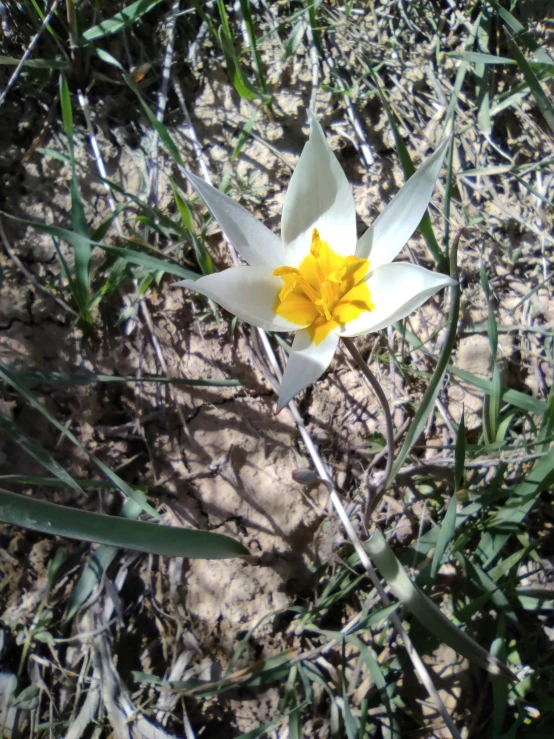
column 326, row 291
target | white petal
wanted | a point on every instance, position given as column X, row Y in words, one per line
column 396, row 290
column 256, row 244
column 385, row 238
column 248, row 292
column 318, row 196
column 307, row 362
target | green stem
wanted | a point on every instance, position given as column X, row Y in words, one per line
column 378, row 390
column 428, row 400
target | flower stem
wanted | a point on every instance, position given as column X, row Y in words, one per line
column 378, row 390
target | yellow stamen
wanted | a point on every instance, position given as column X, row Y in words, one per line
column 326, row 291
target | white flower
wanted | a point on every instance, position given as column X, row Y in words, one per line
column 319, row 280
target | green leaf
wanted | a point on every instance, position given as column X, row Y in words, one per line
column 36, row 63
column 524, row 497
column 121, row 20
column 168, row 541
column 99, row 561
column 428, row 401
column 54, row 482
column 376, row 673
column 460, row 455
column 63, row 378
column 161, row 130
column 446, row 534
column 425, row 610
column 241, row 84
column 81, row 242
column 134, row 257
column 499, row 688
column 37, row 452
column 543, row 103
column 7, row 376
column 425, row 226
column 247, row 15
column 478, row 57
column 67, row 111
column 523, row 35
column 514, row 397
column 295, row 37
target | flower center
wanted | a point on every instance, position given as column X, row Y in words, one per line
column 326, row 291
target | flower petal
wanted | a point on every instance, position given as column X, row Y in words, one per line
column 256, row 244
column 248, row 292
column 385, row 238
column 318, row 196
column 396, row 290
column 307, row 362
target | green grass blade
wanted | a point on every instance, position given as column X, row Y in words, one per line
column 244, row 88
column 139, row 258
column 168, row 541
column 6, row 375
column 295, row 37
column 99, row 561
column 119, row 21
column 71, row 380
column 425, row 610
column 543, row 103
column 247, row 15
column 541, row 55
column 425, row 227
column 446, row 534
column 201, row 253
column 462, row 71
column 460, row 455
column 161, row 130
column 36, row 63
column 54, row 482
column 478, row 57
column 37, row 452
column 524, row 497
column 376, row 673
column 81, row 244
column 205, row 18
column 499, row 688
column 514, row 397
column 428, row 401
column 312, row 6
column 241, row 141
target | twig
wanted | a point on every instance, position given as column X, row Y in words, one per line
column 162, row 100
column 199, row 154
column 365, row 148
column 28, row 51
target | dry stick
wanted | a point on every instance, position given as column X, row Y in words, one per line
column 365, row 148
column 198, row 153
column 162, row 100
column 28, row 51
